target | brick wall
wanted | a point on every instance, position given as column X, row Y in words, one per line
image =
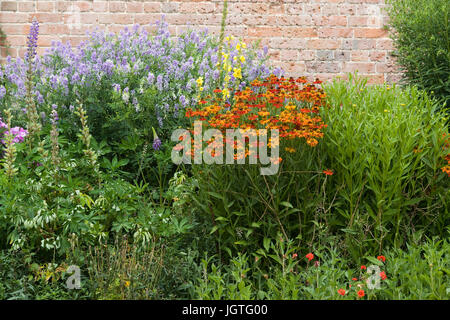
column 322, row 38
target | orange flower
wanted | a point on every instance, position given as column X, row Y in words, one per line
column 381, row 258
column 383, row 275
column 361, row 293
column 328, row 172
column 309, row 256
column 341, row 292
column 354, row 279
column 288, row 105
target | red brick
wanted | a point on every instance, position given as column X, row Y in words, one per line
column 378, row 55
column 326, row 32
column 45, row 6
column 118, row 18
column 117, row 6
column 8, row 17
column 362, row 67
column 357, row 21
column 288, row 55
column 323, row 44
column 135, row 7
column 26, row 6
column 16, row 40
column 370, row 33
column 98, row 6
column 8, row 6
column 358, row 55
column 152, row 7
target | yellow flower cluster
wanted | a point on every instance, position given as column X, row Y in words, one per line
column 233, row 67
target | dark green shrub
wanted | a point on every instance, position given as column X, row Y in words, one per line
column 421, row 34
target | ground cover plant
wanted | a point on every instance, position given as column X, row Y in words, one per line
column 357, row 208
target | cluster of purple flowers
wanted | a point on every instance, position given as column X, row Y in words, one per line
column 18, row 133
column 170, row 65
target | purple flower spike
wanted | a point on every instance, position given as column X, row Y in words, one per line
column 32, row 40
column 156, row 144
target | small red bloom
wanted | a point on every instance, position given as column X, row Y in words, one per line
column 294, row 256
column 354, row 279
column 363, row 268
column 328, row 172
column 309, row 256
column 383, row 275
column 341, row 292
column 381, row 258
column 361, row 293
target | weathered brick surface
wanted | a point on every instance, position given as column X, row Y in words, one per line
column 317, row 38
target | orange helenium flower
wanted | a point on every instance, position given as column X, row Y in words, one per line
column 309, row 256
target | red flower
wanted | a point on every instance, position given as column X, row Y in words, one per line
column 381, row 258
column 363, row 268
column 309, row 256
column 383, row 275
column 341, row 292
column 317, row 81
column 294, row 256
column 354, row 279
column 328, row 172
column 361, row 293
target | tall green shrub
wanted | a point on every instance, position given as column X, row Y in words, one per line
column 386, row 146
column 421, row 34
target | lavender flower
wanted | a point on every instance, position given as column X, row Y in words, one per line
column 156, row 141
column 55, row 117
column 116, row 87
column 159, row 82
column 125, row 95
column 156, row 144
column 32, row 40
column 150, row 78
column 2, row 92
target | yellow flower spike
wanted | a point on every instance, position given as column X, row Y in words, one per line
column 237, row 73
column 225, row 93
column 244, row 45
column 238, row 47
column 229, row 69
column 242, row 58
column 199, row 81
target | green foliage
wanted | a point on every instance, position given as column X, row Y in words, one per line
column 421, row 272
column 421, row 34
column 386, row 146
